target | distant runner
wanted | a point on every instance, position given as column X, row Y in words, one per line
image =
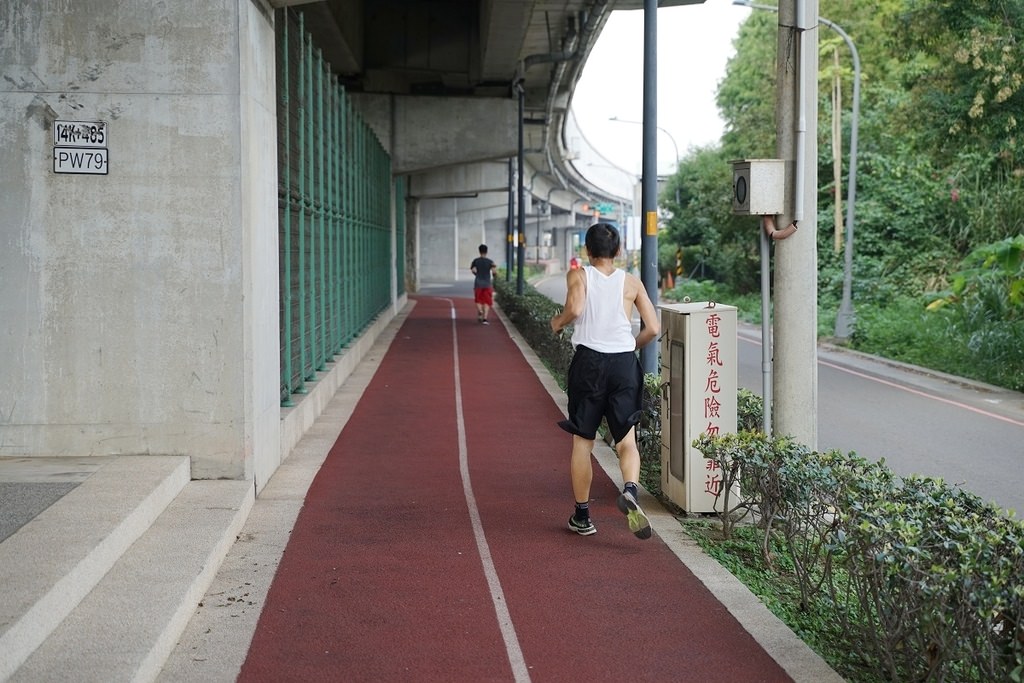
column 483, row 286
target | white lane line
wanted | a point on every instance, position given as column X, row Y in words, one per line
column 923, row 394
column 916, row 392
column 508, row 631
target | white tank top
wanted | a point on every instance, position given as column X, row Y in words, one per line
column 603, row 325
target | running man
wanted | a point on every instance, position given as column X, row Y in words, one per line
column 483, row 286
column 605, row 377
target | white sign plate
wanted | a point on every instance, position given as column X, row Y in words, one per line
column 79, row 134
column 80, row 160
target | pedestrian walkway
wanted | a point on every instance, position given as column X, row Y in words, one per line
column 418, row 533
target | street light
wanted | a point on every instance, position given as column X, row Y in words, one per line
column 640, row 123
column 845, row 317
column 631, row 178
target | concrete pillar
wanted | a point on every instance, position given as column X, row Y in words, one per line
column 140, row 306
column 460, row 208
column 412, row 244
column 494, row 238
column 438, row 228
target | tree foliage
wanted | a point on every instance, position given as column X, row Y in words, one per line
column 941, row 149
column 973, row 96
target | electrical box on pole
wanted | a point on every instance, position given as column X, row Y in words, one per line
column 758, row 187
column 699, row 395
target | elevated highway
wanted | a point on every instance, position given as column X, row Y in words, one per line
column 441, row 81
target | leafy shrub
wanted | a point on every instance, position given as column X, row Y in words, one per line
column 927, row 578
column 936, row 575
column 531, row 313
column 983, row 312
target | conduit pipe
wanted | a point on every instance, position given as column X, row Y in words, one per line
column 766, row 327
column 799, row 170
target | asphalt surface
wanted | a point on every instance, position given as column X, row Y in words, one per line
column 919, row 421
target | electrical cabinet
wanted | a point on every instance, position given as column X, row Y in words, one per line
column 758, row 187
column 699, row 385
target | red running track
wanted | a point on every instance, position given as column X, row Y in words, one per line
column 399, row 569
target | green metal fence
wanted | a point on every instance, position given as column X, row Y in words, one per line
column 335, row 212
column 400, row 232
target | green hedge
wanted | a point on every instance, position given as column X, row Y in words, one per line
column 926, row 578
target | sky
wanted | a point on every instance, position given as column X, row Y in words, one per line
column 694, row 43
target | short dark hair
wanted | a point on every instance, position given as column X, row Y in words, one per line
column 602, row 240
column 483, row 248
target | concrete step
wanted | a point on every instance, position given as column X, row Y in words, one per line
column 55, row 559
column 127, row 626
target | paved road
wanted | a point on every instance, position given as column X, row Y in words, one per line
column 919, row 421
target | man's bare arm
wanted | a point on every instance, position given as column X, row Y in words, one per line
column 651, row 327
column 575, row 295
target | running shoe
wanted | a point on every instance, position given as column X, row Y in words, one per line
column 584, row 528
column 635, row 517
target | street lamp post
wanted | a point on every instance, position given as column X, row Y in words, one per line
column 845, row 317
column 640, row 123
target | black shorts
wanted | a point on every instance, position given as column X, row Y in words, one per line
column 603, row 385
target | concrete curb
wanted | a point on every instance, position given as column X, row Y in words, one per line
column 74, row 543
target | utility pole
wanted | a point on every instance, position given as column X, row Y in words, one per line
column 509, row 225
column 521, row 231
column 795, row 375
column 649, row 190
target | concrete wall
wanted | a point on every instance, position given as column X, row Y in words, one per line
column 475, row 215
column 140, row 307
column 455, row 206
column 496, row 239
column 453, row 230
column 260, row 285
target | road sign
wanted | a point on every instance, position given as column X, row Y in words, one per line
column 80, row 147
column 79, row 134
column 86, row 160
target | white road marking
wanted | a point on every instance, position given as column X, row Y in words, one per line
column 508, row 631
column 916, row 392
